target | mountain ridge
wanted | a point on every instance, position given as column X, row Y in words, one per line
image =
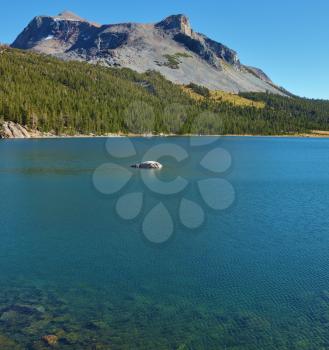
column 170, row 46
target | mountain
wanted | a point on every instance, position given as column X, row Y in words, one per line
column 171, row 47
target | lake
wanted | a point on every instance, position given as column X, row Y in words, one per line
column 225, row 248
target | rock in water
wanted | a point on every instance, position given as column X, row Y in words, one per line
column 50, row 340
column 148, row 165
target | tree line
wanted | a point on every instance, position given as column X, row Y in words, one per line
column 51, row 95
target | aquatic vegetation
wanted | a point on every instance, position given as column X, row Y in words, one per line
column 40, row 318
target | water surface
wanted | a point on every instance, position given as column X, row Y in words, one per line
column 254, row 276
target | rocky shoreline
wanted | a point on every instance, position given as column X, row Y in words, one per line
column 11, row 130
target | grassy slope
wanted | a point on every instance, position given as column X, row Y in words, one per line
column 223, row 96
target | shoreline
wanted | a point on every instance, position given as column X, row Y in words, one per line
column 14, row 131
column 83, row 136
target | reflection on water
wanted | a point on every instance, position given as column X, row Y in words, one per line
column 253, row 276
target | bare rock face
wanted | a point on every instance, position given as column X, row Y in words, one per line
column 259, row 73
column 53, row 35
column 176, row 23
column 13, row 130
column 148, row 165
column 143, row 47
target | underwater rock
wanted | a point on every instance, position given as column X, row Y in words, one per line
column 92, row 325
column 150, row 164
column 19, row 314
column 70, row 338
column 40, row 309
column 24, row 309
column 51, row 339
column 9, row 316
column 6, row 343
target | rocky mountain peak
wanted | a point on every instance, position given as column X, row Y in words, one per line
column 69, row 16
column 169, row 46
column 178, row 23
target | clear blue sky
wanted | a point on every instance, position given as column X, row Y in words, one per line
column 288, row 39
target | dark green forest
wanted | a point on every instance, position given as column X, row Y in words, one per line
column 48, row 94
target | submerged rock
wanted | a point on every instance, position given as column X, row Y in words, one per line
column 6, row 343
column 148, row 165
column 50, row 340
column 24, row 309
column 20, row 313
column 9, row 316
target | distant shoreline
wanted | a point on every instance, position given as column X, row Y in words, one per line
column 11, row 130
column 83, row 136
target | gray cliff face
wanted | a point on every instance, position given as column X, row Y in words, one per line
column 176, row 24
column 142, row 47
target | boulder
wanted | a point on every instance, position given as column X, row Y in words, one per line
column 148, row 165
column 12, row 130
column 50, row 340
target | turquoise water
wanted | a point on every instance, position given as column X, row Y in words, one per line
column 253, row 276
